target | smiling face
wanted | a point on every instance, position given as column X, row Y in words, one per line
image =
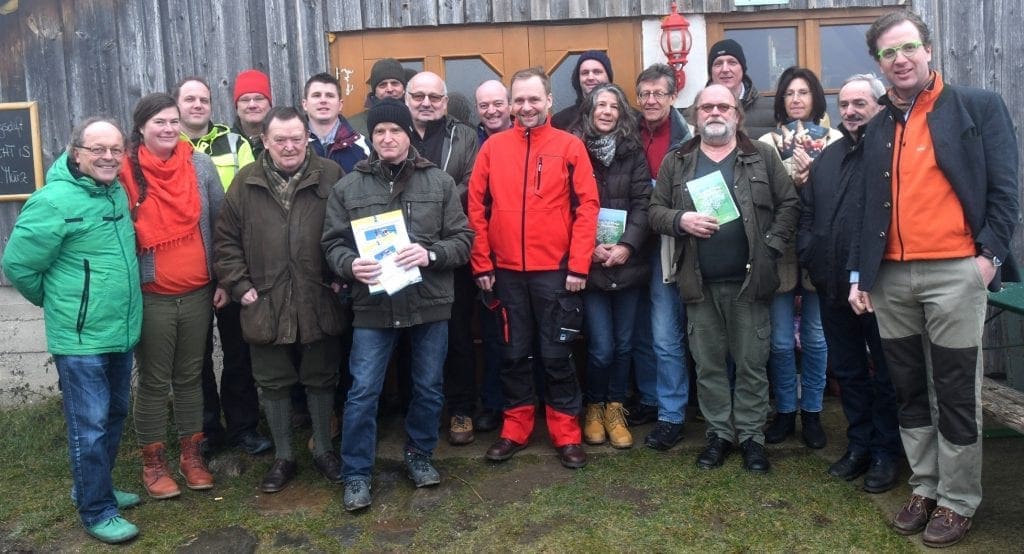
column 727, row 71
column 426, row 97
column 103, row 168
column 162, row 132
column 252, row 108
column 194, row 105
column 492, row 106
column 907, row 74
column 322, row 103
column 530, row 102
column 606, row 112
column 592, row 73
column 798, row 99
column 285, row 140
column 857, row 105
column 655, row 101
column 390, row 142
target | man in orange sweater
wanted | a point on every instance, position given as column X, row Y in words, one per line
column 940, row 206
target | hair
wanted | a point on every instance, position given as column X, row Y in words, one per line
column 176, row 91
column 655, row 72
column 459, row 107
column 148, row 106
column 78, row 132
column 877, row 88
column 741, row 116
column 792, row 73
column 626, row 128
column 282, row 113
column 325, row 78
column 890, row 20
column 529, row 73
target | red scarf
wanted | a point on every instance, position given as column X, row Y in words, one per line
column 170, row 210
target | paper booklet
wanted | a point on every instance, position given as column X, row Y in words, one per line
column 803, row 133
column 711, row 196
column 610, row 225
column 380, row 237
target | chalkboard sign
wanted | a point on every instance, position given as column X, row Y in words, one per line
column 21, row 153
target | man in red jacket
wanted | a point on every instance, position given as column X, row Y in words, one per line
column 533, row 204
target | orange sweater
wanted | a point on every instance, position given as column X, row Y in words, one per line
column 928, row 222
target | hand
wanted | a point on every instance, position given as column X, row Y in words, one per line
column 698, row 224
column 987, row 268
column 335, row 287
column 617, row 255
column 860, row 301
column 802, row 161
column 366, row 271
column 574, row 283
column 220, row 298
column 249, row 297
column 601, row 252
column 485, row 282
column 411, row 256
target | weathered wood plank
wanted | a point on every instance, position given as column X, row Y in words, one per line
column 452, row 12
column 1003, row 403
column 343, row 15
column 44, row 47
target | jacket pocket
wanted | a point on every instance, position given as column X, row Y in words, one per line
column 565, row 317
column 259, row 321
column 83, row 305
column 331, row 316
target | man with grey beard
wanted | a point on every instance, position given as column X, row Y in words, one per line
column 732, row 209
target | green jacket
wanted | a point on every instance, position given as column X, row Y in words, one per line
column 229, row 151
column 72, row 251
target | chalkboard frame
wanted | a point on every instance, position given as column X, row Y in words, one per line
column 37, row 146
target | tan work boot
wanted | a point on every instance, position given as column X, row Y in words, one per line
column 191, row 465
column 615, row 426
column 593, row 424
column 155, row 475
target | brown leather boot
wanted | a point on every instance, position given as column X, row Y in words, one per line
column 191, row 464
column 155, row 475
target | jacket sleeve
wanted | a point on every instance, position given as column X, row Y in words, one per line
column 663, row 216
column 230, row 267
column 211, row 182
column 34, row 245
column 786, row 201
column 1002, row 199
column 584, row 222
column 478, row 210
column 338, row 242
column 638, row 228
column 456, row 237
column 468, row 146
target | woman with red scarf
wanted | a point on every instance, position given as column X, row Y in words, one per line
column 174, row 194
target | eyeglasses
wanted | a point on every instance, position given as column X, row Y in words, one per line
column 255, row 98
column 655, row 94
column 289, row 141
column 908, row 49
column 709, row 108
column 419, row 96
column 795, row 93
column 98, row 151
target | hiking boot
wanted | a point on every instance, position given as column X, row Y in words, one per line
column 641, row 414
column 460, row 432
column 114, row 530
column 914, row 515
column 191, row 465
column 593, row 424
column 156, row 477
column 665, row 435
column 783, row 426
column 420, row 470
column 755, row 458
column 945, row 528
column 615, row 425
column 811, row 430
column 357, row 494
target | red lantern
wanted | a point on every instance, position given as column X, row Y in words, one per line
column 676, row 42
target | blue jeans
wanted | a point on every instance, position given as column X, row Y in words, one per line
column 645, row 365
column 814, row 358
column 95, row 390
column 609, row 324
column 668, row 323
column 371, row 349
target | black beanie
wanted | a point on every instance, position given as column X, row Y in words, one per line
column 727, row 47
column 389, row 110
column 601, row 58
column 387, row 68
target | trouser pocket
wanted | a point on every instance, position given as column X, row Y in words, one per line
column 565, row 317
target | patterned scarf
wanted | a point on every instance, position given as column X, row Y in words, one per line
column 169, row 212
column 282, row 187
column 602, row 148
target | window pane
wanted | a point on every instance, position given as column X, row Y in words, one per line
column 844, row 53
column 415, row 65
column 561, row 83
column 768, row 51
column 462, row 77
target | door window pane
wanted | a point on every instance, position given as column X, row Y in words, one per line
column 768, row 51
column 463, row 75
column 561, row 83
column 844, row 53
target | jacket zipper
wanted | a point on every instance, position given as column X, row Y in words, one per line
column 540, row 165
column 83, row 307
column 120, row 243
column 526, row 180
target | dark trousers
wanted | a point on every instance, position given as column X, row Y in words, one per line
column 238, row 398
column 460, row 365
column 868, row 397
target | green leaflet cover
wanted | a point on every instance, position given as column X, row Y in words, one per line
column 610, row 225
column 711, row 197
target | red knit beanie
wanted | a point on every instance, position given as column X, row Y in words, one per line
column 252, row 81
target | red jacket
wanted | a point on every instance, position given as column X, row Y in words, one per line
column 533, row 202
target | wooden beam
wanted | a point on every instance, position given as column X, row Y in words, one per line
column 1004, row 403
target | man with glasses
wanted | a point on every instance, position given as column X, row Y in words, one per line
column 72, row 251
column 941, row 203
column 725, row 266
column 252, row 102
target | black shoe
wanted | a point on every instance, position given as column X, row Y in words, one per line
column 279, row 475
column 851, row 466
column 329, row 466
column 665, row 435
column 882, row 475
column 714, row 453
column 811, row 430
column 755, row 459
column 783, row 426
column 641, row 414
column 488, row 420
column 253, row 443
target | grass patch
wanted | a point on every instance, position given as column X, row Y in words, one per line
column 636, row 500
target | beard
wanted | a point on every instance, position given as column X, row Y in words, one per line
column 717, row 132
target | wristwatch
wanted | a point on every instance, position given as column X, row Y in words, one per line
column 992, row 256
column 431, row 256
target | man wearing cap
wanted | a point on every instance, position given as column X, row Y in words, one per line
column 387, row 80
column 252, row 102
column 396, row 178
column 592, row 68
column 727, row 66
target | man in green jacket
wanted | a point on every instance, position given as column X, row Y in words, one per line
column 72, row 251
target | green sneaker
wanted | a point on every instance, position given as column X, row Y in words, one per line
column 114, row 530
column 126, row 499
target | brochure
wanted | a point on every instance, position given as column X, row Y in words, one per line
column 380, row 237
column 808, row 135
column 711, row 196
column 610, row 225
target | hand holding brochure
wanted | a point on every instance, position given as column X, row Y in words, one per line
column 711, row 196
column 380, row 237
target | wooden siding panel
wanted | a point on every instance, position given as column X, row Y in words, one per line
column 478, row 12
column 343, row 16
column 43, row 35
column 452, row 12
